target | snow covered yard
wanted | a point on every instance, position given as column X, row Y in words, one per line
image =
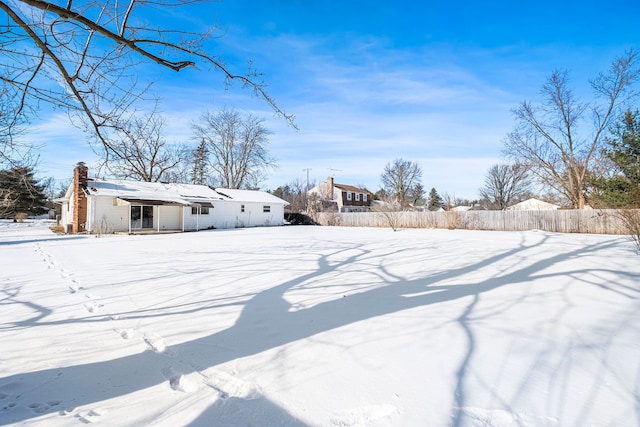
column 319, row 326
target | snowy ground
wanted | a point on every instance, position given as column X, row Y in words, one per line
column 319, row 326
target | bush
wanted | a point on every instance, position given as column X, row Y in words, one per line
column 631, row 223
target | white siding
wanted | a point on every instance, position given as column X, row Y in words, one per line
column 105, row 216
column 228, row 214
column 66, row 212
column 169, row 217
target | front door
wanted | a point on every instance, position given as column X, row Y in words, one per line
column 141, row 217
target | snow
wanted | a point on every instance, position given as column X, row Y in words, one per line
column 185, row 194
column 319, row 326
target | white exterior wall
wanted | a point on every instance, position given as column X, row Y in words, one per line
column 228, row 214
column 169, row 217
column 105, row 216
column 66, row 213
column 197, row 222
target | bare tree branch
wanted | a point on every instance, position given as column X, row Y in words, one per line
column 85, row 55
column 549, row 138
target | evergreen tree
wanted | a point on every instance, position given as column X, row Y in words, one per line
column 622, row 188
column 21, row 192
column 434, row 201
column 200, row 156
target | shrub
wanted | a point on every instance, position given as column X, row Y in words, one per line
column 630, row 219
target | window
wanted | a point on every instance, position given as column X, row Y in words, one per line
column 348, row 195
column 266, row 208
column 357, row 197
column 364, row 197
column 203, row 210
column 241, row 208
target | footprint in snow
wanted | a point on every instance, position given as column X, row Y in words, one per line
column 228, row 385
column 180, row 382
column 155, row 342
column 93, row 307
column 90, row 417
column 7, row 407
column 41, row 408
column 362, row 416
column 126, row 334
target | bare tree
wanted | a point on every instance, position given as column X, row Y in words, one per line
column 391, row 210
column 505, row 184
column 237, row 144
column 295, row 193
column 12, row 124
column 84, row 55
column 400, row 181
column 138, row 150
column 549, row 137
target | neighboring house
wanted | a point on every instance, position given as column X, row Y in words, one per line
column 533, row 205
column 346, row 197
column 97, row 205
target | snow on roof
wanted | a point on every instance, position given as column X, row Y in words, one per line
column 351, row 188
column 250, row 196
column 533, row 204
column 173, row 192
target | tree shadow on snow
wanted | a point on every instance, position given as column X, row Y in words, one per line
column 267, row 321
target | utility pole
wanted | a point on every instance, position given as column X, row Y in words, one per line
column 307, row 169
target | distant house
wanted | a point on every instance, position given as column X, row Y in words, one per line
column 533, row 205
column 346, row 198
column 97, row 205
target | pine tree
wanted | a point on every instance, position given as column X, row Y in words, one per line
column 622, row 188
column 200, row 156
column 21, row 192
column 434, row 201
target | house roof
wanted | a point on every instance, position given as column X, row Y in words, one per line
column 533, row 204
column 175, row 193
column 351, row 188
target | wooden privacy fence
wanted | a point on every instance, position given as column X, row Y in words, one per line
column 561, row 221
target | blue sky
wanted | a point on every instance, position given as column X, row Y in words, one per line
column 433, row 82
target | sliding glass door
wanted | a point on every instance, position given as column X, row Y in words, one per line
column 141, row 217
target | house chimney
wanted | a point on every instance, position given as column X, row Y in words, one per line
column 330, row 188
column 80, row 178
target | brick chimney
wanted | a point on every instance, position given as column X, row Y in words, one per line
column 80, row 177
column 330, row 188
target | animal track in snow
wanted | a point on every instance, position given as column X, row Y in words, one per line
column 8, row 407
column 228, row 385
column 126, row 334
column 90, row 416
column 93, row 307
column 180, row 382
column 41, row 408
column 362, row 416
column 155, row 342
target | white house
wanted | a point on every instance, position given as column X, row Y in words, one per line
column 97, row 205
column 533, row 205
